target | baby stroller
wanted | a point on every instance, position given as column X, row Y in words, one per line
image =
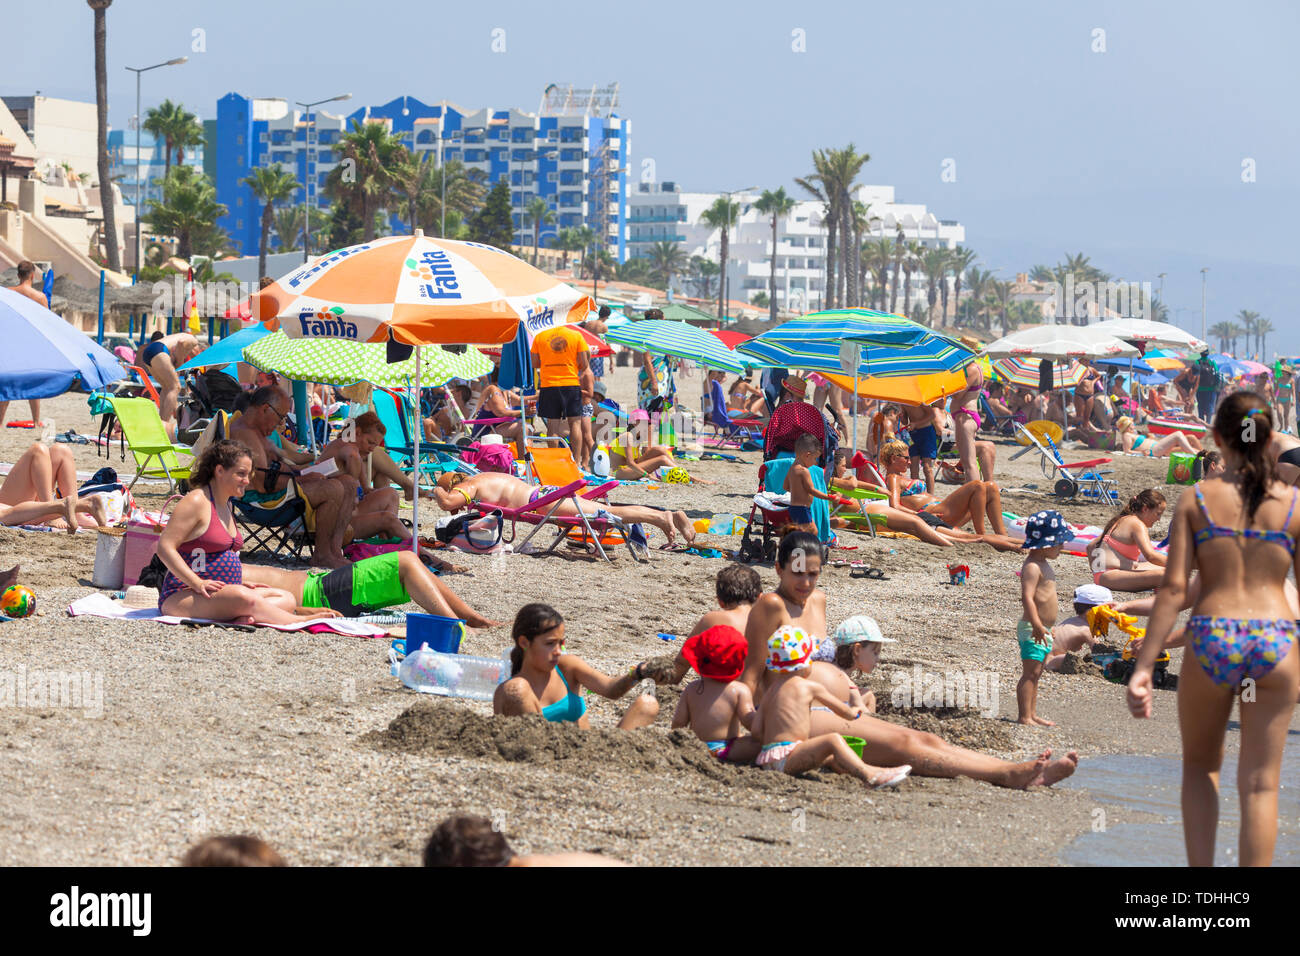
column 769, row 514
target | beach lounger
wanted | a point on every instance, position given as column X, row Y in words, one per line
column 1071, row 478
column 144, row 434
column 396, row 415
column 554, row 466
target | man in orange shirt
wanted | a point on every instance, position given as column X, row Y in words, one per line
column 560, row 356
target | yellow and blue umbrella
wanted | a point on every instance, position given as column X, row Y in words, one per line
column 925, row 355
column 663, row 337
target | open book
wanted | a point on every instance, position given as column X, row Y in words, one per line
column 324, row 468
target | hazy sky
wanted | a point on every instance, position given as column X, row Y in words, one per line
column 1133, row 155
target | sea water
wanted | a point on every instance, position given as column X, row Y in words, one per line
column 1154, row 785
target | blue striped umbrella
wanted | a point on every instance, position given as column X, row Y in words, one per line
column 926, row 355
column 663, row 337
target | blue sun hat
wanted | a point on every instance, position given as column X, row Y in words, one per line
column 1046, row 529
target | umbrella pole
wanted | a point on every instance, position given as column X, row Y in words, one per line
column 417, row 431
column 857, row 356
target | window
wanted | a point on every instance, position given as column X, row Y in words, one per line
column 239, row 201
column 239, row 224
column 239, row 140
column 551, row 177
column 425, row 136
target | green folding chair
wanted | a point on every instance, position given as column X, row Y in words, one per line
column 145, row 435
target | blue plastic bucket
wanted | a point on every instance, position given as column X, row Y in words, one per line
column 442, row 634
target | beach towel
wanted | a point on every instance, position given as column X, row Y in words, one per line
column 101, row 605
column 778, row 468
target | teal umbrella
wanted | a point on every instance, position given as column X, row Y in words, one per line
column 662, row 337
column 343, row 362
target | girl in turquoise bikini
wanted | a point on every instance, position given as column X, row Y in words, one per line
column 546, row 681
column 1240, row 531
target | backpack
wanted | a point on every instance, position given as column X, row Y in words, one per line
column 476, row 533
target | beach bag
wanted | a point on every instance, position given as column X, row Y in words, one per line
column 490, row 458
column 1183, row 469
column 143, row 529
column 110, row 560
column 477, row 534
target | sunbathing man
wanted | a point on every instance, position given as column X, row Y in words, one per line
column 455, row 492
column 160, row 358
column 334, row 498
column 386, row 580
column 41, row 488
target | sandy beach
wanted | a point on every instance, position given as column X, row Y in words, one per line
column 308, row 741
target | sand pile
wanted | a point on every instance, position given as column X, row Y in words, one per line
column 957, row 725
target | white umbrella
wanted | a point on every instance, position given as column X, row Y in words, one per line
column 1060, row 342
column 1158, row 334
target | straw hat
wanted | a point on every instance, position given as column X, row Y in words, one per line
column 491, row 439
column 139, row 598
column 795, row 386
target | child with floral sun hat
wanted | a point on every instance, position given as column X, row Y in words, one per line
column 1045, row 534
column 783, row 722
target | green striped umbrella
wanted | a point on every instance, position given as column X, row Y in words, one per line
column 343, row 362
column 663, row 337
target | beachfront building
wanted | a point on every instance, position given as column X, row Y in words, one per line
column 572, row 153
column 50, row 209
column 662, row 212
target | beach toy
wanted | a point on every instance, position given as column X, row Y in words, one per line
column 450, row 675
column 855, row 744
column 958, row 573
column 442, row 634
column 600, row 462
column 677, row 475
column 18, row 600
column 702, row 526
column 722, row 524
column 667, row 637
column 1181, row 469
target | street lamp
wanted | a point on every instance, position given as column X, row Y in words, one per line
column 139, row 121
column 724, row 284
column 307, row 166
column 1203, row 280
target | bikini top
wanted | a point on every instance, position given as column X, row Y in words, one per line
column 568, row 708
column 215, row 539
column 917, row 487
column 1212, row 530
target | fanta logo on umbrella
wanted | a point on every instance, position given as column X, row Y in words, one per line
column 298, row 278
column 326, row 323
column 439, row 274
column 539, row 319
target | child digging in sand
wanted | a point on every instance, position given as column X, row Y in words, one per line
column 799, row 483
column 1073, row 633
column 1045, row 534
column 717, row 705
column 783, row 723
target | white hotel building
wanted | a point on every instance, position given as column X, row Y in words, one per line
column 661, row 211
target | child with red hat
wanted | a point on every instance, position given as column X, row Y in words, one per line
column 717, row 705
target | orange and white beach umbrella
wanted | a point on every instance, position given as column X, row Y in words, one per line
column 421, row 289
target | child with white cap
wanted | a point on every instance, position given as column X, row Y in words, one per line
column 1073, row 633
column 1045, row 534
column 855, row 646
column 783, row 722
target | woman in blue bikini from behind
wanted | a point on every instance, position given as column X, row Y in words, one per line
column 544, row 680
column 1240, row 530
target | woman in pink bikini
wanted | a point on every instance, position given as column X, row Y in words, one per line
column 1123, row 557
column 200, row 547
column 966, row 420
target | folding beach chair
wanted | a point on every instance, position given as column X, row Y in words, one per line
column 1071, row 478
column 144, row 434
column 553, row 465
column 395, row 414
column 726, row 430
column 860, row 522
column 1004, row 425
column 283, row 528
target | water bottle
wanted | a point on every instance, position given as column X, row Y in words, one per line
column 450, row 675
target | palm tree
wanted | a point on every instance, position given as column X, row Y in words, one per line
column 845, row 164
column 1159, row 311
column 900, row 248
column 960, row 259
column 878, row 256
column 270, row 185
column 566, row 243
column 1019, row 314
column 414, row 177
column 1249, row 325
column 666, row 260
column 816, row 186
column 777, row 205
column 538, row 213
column 188, row 208
column 101, row 105
column 1001, row 294
column 177, row 127
column 702, row 272
column 721, row 215
column 370, row 156
column 946, row 255
column 862, row 220
column 1262, row 328
column 935, row 266
column 979, row 283
column 911, row 262
column 583, row 237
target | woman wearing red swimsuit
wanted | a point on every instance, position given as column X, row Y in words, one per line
column 1123, row 557
column 200, row 547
